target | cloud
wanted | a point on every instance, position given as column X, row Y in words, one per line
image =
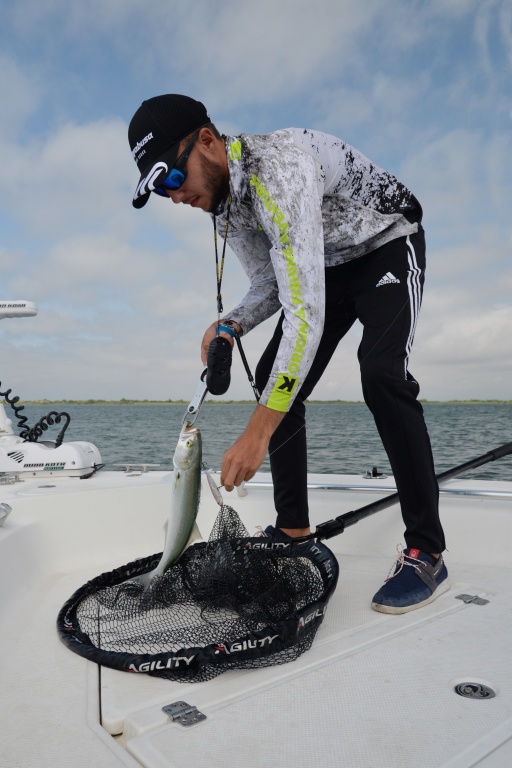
column 231, row 53
column 20, row 93
column 125, row 295
column 73, row 181
column 470, row 338
column 463, row 180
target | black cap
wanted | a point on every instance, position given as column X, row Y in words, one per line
column 155, row 132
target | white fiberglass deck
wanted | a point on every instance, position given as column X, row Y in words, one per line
column 374, row 690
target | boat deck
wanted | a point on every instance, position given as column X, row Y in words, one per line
column 374, row 690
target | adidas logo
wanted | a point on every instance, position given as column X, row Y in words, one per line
column 388, row 278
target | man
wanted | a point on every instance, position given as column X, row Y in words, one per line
column 328, row 237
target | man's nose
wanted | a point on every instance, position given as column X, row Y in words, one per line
column 176, row 195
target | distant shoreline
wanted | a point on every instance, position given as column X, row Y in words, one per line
column 125, row 401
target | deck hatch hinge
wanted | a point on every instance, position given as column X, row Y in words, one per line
column 183, row 713
column 472, row 599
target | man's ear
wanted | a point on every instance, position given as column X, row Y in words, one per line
column 207, row 141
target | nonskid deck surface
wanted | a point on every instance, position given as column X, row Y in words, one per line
column 374, row 690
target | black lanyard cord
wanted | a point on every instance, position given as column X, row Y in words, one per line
column 247, row 369
column 220, row 271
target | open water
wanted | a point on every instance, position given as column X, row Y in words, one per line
column 342, row 438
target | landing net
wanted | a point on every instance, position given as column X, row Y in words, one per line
column 231, row 602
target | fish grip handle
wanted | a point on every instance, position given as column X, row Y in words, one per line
column 218, row 376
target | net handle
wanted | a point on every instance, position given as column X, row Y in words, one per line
column 333, row 527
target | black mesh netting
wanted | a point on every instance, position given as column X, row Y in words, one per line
column 234, row 601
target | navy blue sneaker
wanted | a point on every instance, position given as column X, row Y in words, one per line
column 417, row 580
column 278, row 535
column 275, row 533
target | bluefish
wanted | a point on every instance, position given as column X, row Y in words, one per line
column 186, row 491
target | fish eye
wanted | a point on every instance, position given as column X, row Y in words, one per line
column 189, row 443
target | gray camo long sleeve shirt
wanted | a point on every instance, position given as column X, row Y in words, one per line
column 302, row 201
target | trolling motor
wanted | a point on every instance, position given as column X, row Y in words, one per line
column 26, row 453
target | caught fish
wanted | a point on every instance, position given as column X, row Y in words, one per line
column 184, row 504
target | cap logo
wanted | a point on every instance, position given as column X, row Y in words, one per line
column 141, row 143
column 147, row 184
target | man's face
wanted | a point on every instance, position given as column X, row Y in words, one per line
column 207, row 182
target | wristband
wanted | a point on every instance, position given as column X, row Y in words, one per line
column 227, row 329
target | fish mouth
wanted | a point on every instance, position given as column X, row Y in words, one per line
column 189, row 428
column 188, row 448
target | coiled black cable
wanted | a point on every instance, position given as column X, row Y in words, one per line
column 32, row 434
column 22, row 423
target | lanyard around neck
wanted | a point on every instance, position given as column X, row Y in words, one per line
column 220, row 271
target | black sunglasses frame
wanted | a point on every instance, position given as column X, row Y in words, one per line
column 179, row 167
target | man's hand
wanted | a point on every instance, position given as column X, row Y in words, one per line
column 246, row 455
column 211, row 333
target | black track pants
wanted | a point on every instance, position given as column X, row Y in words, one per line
column 383, row 290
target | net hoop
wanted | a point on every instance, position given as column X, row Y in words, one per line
column 263, row 645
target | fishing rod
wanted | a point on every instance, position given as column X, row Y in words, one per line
column 333, row 527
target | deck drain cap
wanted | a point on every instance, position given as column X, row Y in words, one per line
column 474, row 691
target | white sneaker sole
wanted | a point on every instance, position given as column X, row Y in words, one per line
column 443, row 587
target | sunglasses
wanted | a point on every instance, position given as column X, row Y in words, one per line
column 178, row 173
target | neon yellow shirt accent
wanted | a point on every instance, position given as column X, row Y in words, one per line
column 292, row 272
column 235, row 150
column 282, row 392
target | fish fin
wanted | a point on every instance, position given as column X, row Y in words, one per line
column 135, row 586
column 195, row 535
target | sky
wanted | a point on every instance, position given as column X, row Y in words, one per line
column 422, row 87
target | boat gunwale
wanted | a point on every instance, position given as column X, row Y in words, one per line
column 384, row 489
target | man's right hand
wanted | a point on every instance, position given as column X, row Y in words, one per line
column 243, row 459
column 210, row 334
